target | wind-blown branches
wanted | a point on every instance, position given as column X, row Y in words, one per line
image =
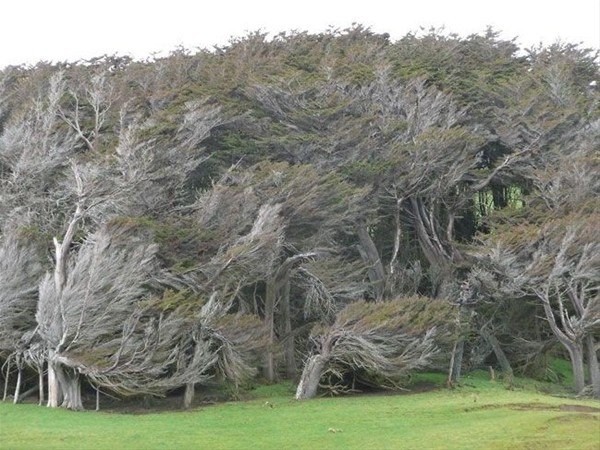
column 20, row 272
column 384, row 339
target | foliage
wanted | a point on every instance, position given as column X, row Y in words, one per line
column 195, row 210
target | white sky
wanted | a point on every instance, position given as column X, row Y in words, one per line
column 58, row 30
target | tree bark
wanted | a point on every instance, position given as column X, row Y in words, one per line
column 454, row 371
column 41, row 383
column 19, row 378
column 188, row 395
column 289, row 342
column 69, row 385
column 6, row 380
column 27, row 393
column 500, row 355
column 429, row 238
column 576, row 354
column 72, row 390
column 594, row 366
column 311, row 375
column 568, row 340
column 54, row 391
column 456, row 362
column 370, row 255
column 269, row 364
column 397, row 235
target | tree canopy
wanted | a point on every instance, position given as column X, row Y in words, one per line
column 429, row 202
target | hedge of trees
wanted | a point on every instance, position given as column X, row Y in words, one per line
column 337, row 209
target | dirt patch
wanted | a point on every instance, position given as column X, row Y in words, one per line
column 538, row 407
column 416, row 388
column 579, row 408
column 576, row 417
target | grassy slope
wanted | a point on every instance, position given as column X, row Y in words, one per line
column 480, row 415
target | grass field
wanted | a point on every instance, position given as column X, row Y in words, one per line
column 479, row 415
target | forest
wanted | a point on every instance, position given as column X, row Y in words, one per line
column 338, row 209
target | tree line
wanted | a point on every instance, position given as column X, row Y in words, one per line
column 337, row 209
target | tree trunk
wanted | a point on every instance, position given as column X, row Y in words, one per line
column 188, row 395
column 311, row 375
column 289, row 342
column 70, row 387
column 54, row 391
column 41, row 383
column 456, row 362
column 370, row 255
column 269, row 363
column 72, row 390
column 6, row 380
column 500, row 355
column 576, row 354
column 27, row 393
column 19, row 378
column 593, row 365
column 456, row 357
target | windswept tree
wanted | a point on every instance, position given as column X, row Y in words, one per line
column 20, row 272
column 59, row 158
column 380, row 342
column 315, row 213
column 89, row 316
column 273, row 183
column 106, row 324
column 213, row 341
column 549, row 251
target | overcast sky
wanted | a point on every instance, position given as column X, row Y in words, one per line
column 58, row 30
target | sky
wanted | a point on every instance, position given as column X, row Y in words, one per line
column 70, row 30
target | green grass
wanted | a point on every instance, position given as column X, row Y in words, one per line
column 479, row 415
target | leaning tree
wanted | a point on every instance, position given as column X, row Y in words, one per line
column 20, row 272
column 380, row 342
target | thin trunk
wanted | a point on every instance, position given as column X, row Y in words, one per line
column 27, row 393
column 397, row 235
column 41, row 383
column 289, row 342
column 54, row 391
column 370, row 256
column 576, row 354
column 456, row 362
column 311, row 375
column 500, row 355
column 6, row 380
column 97, row 399
column 567, row 339
column 593, row 365
column 428, row 235
column 62, row 248
column 18, row 386
column 188, row 395
column 269, row 363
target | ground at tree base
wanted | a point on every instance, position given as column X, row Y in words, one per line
column 479, row 414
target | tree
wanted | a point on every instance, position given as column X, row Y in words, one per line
column 82, row 317
column 551, row 251
column 213, row 341
column 20, row 272
column 381, row 341
column 307, row 211
column 286, row 179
